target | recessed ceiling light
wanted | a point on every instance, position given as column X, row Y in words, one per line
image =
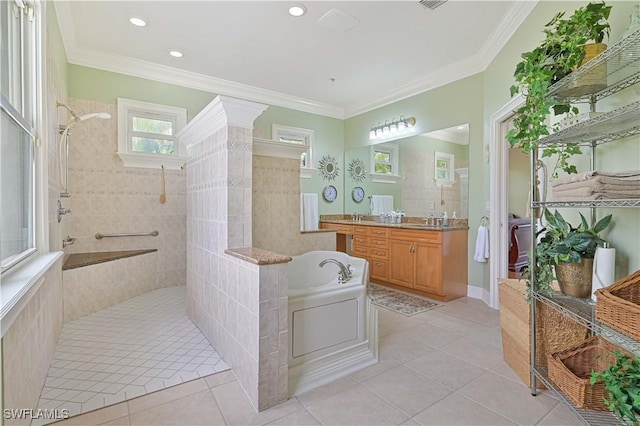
column 175, row 53
column 297, row 10
column 137, row 22
column 460, row 127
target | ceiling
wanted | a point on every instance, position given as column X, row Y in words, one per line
column 255, row 50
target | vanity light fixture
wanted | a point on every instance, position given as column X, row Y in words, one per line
column 138, row 22
column 175, row 53
column 392, row 128
column 297, row 10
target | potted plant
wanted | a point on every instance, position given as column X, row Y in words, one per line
column 562, row 51
column 622, row 380
column 569, row 251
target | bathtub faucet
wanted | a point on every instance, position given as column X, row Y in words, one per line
column 345, row 271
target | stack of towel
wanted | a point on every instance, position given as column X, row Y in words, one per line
column 597, row 185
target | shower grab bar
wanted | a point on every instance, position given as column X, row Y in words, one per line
column 100, row 236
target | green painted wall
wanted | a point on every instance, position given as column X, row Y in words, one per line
column 621, row 155
column 328, row 140
column 456, row 103
column 105, row 86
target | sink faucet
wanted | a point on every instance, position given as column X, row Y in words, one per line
column 345, row 272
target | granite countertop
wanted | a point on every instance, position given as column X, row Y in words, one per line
column 78, row 260
column 458, row 224
column 258, row 256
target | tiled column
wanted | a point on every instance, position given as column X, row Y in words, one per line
column 225, row 293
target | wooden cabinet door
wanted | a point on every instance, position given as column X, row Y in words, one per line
column 401, row 263
column 428, row 259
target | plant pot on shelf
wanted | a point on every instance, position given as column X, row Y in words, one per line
column 595, row 80
column 574, row 278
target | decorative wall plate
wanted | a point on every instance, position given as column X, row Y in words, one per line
column 357, row 194
column 356, row 170
column 330, row 193
column 328, row 167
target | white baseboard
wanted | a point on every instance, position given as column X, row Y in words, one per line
column 478, row 293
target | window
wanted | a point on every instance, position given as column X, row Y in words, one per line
column 18, row 131
column 147, row 134
column 297, row 136
column 444, row 173
column 384, row 163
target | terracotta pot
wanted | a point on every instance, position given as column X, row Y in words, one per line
column 575, row 278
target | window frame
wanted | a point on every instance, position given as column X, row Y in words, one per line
column 129, row 108
column 394, row 153
column 26, row 84
column 307, row 135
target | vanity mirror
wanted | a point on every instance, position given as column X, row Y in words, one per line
column 413, row 186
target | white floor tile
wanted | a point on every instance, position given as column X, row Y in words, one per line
column 139, row 346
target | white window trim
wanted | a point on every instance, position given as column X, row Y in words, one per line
column 307, row 134
column 21, row 282
column 146, row 160
column 450, row 159
column 394, row 152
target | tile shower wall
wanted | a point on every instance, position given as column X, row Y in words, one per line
column 109, row 198
column 276, row 209
column 92, row 288
column 419, row 188
column 236, row 304
column 30, row 342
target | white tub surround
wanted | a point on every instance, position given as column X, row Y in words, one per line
column 332, row 326
column 237, row 302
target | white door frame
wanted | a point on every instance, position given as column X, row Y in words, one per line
column 499, row 198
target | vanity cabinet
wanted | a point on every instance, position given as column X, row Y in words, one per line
column 372, row 243
column 431, row 263
column 428, row 262
column 416, row 260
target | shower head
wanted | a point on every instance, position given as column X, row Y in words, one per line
column 102, row 115
column 75, row 117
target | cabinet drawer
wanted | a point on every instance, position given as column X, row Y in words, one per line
column 379, row 232
column 378, row 243
column 416, row 235
column 360, row 251
column 361, row 230
column 360, row 240
column 339, row 228
column 379, row 269
column 377, row 253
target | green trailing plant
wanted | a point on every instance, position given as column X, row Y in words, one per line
column 622, row 380
column 558, row 55
column 561, row 242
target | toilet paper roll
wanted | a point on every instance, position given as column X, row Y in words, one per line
column 604, row 269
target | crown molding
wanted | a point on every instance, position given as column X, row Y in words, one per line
column 456, row 71
column 514, row 17
column 221, row 111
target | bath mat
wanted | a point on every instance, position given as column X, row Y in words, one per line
column 396, row 301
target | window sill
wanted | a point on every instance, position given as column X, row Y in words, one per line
column 445, row 182
column 307, row 172
column 20, row 283
column 151, row 161
column 384, row 178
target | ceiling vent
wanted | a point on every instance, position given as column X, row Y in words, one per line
column 432, row 4
column 338, row 20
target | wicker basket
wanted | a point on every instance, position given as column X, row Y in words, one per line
column 571, row 368
column 618, row 305
column 554, row 330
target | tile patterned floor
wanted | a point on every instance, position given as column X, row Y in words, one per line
column 139, row 346
column 440, row 367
